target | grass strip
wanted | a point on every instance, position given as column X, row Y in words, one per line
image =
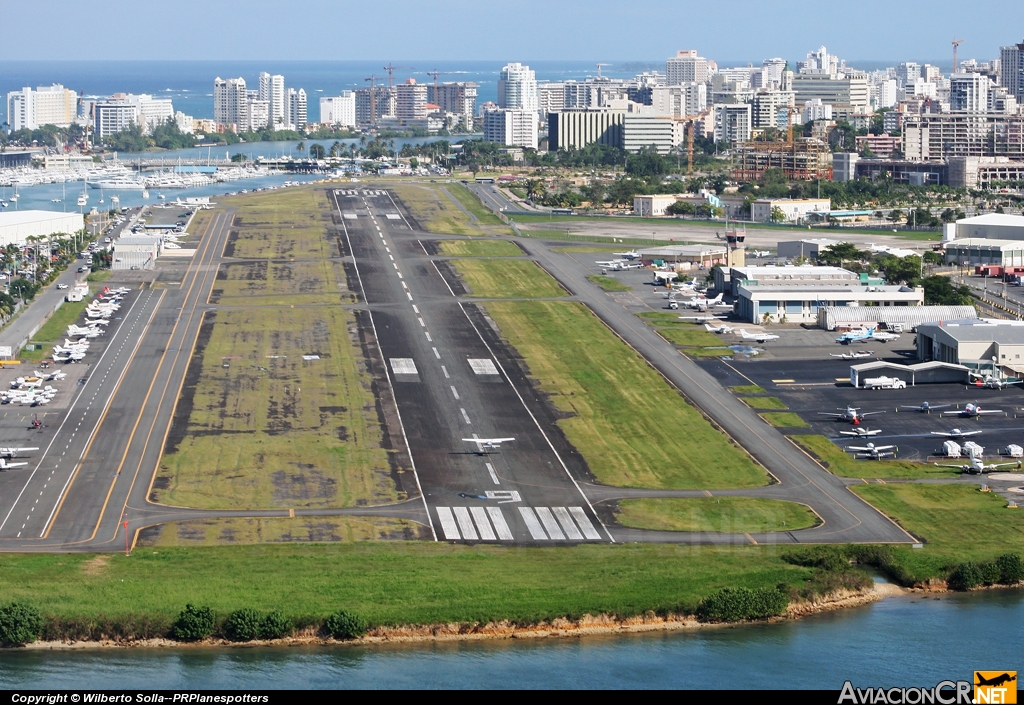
column 609, row 284
column 433, row 211
column 690, row 336
column 626, row 420
column 719, row 514
column 53, row 331
column 232, row 532
column 844, row 464
column 479, row 248
column 392, row 582
column 507, row 279
column 764, row 402
column 785, row 419
column 957, row 522
column 473, row 204
column 718, row 351
column 100, row 276
column 747, row 389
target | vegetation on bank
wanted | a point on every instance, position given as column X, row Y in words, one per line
column 764, row 402
column 785, row 419
column 609, row 284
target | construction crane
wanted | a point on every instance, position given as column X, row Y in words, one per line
column 373, row 97
column 956, row 43
column 391, row 72
column 435, row 73
column 599, row 69
column 790, row 110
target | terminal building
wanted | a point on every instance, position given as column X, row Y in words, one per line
column 684, row 257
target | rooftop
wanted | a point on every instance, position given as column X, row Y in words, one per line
column 674, row 250
column 796, row 272
column 980, row 330
column 1003, row 219
column 20, row 217
column 985, row 242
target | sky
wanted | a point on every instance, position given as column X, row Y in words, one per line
column 596, row 30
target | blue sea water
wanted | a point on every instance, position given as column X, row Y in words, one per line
column 903, row 641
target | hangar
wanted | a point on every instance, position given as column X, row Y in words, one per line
column 16, row 226
column 920, row 373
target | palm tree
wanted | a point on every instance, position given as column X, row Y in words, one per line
column 317, row 151
column 301, row 147
column 336, row 148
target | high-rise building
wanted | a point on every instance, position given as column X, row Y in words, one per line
column 733, row 123
column 517, row 88
column 152, row 112
column 339, row 110
column 296, row 102
column 968, row 92
column 258, row 113
column 847, row 95
column 410, row 101
column 46, row 105
column 113, row 115
column 271, row 90
column 686, row 67
column 820, row 62
column 383, row 104
column 1011, row 70
column 907, row 73
column 772, row 73
column 230, row 102
column 456, row 98
column 679, row 101
column 516, row 128
column 767, row 104
column 579, row 128
column 550, row 97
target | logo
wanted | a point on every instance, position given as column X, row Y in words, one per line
column 995, row 687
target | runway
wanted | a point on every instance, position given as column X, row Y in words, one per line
column 452, row 380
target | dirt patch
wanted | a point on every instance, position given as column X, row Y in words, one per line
column 96, row 566
column 453, row 278
column 307, row 484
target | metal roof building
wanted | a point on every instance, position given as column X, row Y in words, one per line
column 1001, row 226
column 16, row 226
column 974, row 343
column 920, row 373
column 831, row 317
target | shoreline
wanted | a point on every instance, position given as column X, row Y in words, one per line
column 588, row 625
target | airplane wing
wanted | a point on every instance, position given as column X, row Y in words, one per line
column 881, row 448
column 1002, row 465
column 958, row 467
column 990, row 411
column 956, row 412
column 825, row 413
column 869, row 413
column 859, row 449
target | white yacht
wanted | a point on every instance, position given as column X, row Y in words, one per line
column 119, row 183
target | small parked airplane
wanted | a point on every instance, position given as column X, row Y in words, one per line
column 486, row 445
column 873, row 451
column 861, row 432
column 718, row 329
column 759, row 337
column 925, row 407
column 978, row 467
column 4, row 465
column 632, row 254
column 955, row 433
column 855, row 355
column 13, row 452
column 972, row 410
column 851, row 414
column 990, row 382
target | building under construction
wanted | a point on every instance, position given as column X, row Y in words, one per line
column 803, row 160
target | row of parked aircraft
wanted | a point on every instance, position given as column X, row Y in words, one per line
column 854, row 415
column 98, row 314
column 863, row 335
column 742, row 332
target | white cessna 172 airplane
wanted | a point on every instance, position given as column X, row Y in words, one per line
column 955, row 433
column 4, row 465
column 972, row 410
column 486, row 445
column 759, row 337
column 872, row 451
column 978, row 467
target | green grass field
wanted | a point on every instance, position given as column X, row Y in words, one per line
column 391, row 582
column 609, row 284
column 690, row 336
column 479, row 248
column 785, row 419
column 433, row 211
column 957, row 522
column 720, row 514
column 507, row 279
column 53, row 331
column 626, row 420
column 764, row 402
column 846, row 465
column 100, row 276
column 718, row 351
column 747, row 389
column 281, row 283
column 274, row 430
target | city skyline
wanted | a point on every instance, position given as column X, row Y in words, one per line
column 877, row 31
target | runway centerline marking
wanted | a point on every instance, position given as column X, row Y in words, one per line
column 454, row 391
column 464, row 415
column 494, row 475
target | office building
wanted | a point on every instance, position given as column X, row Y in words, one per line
column 733, row 123
column 517, row 88
column 846, row 95
column 968, row 92
column 816, row 110
column 152, row 112
column 686, row 67
column 46, row 105
column 514, row 128
column 577, row 129
column 230, row 102
column 550, row 98
column 644, row 132
column 410, row 101
column 339, row 110
column 271, row 91
column 455, row 98
column 799, row 302
column 297, row 108
column 773, row 74
column 767, row 106
column 1011, row 70
column 679, row 101
column 939, row 136
column 907, row 72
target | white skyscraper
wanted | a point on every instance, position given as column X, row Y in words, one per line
column 511, row 127
column 968, row 92
column 296, row 108
column 339, row 110
column 272, row 91
column 230, row 102
column 46, row 105
column 686, row 67
column 517, row 88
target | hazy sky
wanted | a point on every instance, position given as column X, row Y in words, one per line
column 598, row 30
